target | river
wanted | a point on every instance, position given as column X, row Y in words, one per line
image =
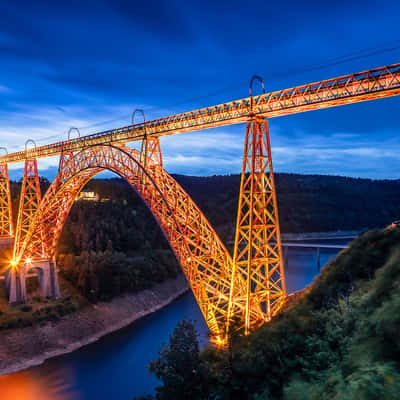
column 115, row 367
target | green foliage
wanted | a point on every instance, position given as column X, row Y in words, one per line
column 179, row 366
column 38, row 310
column 307, row 203
column 108, row 248
column 338, row 341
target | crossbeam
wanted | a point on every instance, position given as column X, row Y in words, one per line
column 368, row 85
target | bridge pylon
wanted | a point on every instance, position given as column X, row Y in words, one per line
column 151, row 160
column 257, row 251
column 65, row 156
column 151, row 156
column 6, row 221
column 29, row 205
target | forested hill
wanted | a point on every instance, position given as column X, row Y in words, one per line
column 307, row 203
column 114, row 245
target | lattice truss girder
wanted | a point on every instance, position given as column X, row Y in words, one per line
column 257, row 252
column 353, row 88
column 6, row 223
column 203, row 257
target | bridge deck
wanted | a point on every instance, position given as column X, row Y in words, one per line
column 315, row 245
column 353, row 88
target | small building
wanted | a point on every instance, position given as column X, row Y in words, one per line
column 88, row 196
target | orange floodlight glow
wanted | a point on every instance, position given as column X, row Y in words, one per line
column 218, row 341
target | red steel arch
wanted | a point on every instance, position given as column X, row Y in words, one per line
column 203, row 257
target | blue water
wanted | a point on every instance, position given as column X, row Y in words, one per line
column 115, row 367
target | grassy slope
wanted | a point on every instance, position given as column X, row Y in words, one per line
column 339, row 341
column 39, row 309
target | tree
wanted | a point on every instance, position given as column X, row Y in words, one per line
column 179, row 366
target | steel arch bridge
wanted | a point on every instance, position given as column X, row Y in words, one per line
column 203, row 257
column 244, row 290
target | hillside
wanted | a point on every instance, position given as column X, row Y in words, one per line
column 339, row 341
column 307, row 203
column 109, row 248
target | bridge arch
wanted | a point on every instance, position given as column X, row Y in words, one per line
column 203, row 257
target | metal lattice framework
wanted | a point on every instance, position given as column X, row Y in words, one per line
column 6, row 221
column 28, row 206
column 203, row 257
column 248, row 289
column 257, row 253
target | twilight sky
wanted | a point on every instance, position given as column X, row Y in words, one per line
column 91, row 63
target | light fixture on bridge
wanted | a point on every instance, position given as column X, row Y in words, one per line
column 218, row 341
column 28, row 260
column 13, row 263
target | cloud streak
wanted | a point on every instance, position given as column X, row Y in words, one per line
column 80, row 63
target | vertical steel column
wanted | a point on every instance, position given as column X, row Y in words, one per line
column 6, row 222
column 28, row 204
column 257, row 251
column 150, row 154
column 65, row 156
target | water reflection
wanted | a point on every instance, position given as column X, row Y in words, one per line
column 34, row 385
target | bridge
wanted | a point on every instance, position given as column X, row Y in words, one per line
column 245, row 289
column 317, row 246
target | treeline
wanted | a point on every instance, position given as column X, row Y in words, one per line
column 338, row 341
column 111, row 247
column 307, row 203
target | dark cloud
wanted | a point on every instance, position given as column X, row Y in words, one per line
column 115, row 53
column 157, row 17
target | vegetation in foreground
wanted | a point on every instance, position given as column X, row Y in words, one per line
column 38, row 309
column 338, row 341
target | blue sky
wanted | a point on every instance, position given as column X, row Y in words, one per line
column 91, row 63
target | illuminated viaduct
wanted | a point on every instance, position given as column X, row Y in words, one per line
column 245, row 289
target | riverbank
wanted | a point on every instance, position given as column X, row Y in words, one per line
column 27, row 347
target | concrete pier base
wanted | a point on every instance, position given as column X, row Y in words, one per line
column 47, row 276
column 16, row 286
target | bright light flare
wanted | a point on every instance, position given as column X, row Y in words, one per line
column 218, row 341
